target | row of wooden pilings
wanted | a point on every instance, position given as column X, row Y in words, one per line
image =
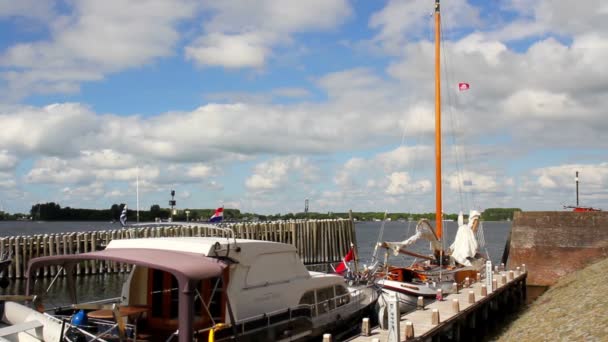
column 318, row 241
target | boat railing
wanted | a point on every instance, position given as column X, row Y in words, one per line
column 317, row 312
column 266, row 320
column 340, row 304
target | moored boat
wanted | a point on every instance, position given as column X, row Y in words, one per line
column 187, row 288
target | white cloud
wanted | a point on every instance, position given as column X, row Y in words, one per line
column 200, row 171
column 95, row 38
column 274, row 174
column 242, row 33
column 7, row 180
column 7, row 160
column 27, row 8
column 403, row 19
column 400, row 183
column 470, row 181
column 229, row 51
column 561, row 17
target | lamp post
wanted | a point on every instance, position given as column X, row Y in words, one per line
column 172, row 204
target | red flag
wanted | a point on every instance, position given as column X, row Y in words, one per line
column 463, row 86
column 343, row 266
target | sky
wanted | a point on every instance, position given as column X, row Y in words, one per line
column 259, row 105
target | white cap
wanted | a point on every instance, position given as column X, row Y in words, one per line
column 474, row 214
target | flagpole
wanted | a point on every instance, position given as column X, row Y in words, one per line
column 137, row 191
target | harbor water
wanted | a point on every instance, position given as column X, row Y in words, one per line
column 92, row 287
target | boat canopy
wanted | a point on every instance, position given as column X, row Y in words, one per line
column 183, row 265
column 187, row 268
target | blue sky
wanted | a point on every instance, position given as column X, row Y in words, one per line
column 259, row 105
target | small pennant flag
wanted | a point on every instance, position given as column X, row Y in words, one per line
column 463, row 86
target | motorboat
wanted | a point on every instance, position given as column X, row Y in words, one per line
column 197, row 288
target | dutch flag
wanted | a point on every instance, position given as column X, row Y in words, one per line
column 123, row 216
column 218, row 215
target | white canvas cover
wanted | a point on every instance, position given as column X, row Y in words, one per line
column 465, row 244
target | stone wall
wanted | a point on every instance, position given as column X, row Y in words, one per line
column 555, row 243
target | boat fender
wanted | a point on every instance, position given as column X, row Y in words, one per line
column 79, row 318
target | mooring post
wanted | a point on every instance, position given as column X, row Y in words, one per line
column 484, row 290
column 435, row 317
column 409, row 330
column 471, row 297
column 455, row 305
column 326, row 337
column 420, row 303
column 365, row 327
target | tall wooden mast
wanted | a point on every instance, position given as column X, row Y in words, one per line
column 438, row 204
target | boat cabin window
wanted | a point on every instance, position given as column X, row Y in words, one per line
column 325, row 300
column 308, row 298
column 342, row 296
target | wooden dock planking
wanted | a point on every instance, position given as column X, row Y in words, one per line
column 421, row 319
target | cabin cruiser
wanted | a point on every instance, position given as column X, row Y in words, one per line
column 188, row 288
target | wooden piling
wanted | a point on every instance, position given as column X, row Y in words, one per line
column 409, row 330
column 435, row 317
column 365, row 327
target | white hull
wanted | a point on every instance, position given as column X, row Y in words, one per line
column 16, row 317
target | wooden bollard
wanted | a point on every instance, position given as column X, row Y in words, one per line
column 523, row 268
column 61, row 242
column 494, row 284
column 478, row 277
column 435, row 317
column 502, row 266
column 496, row 269
column 18, row 257
column 420, row 303
column 326, row 337
column 467, row 282
column 45, row 252
column 51, row 249
column 409, row 330
column 503, row 279
column 375, row 340
column 511, row 275
column 484, row 290
column 455, row 287
column 365, row 327
column 471, row 297
column 517, row 271
column 455, row 305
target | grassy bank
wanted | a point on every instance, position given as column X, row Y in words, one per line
column 574, row 309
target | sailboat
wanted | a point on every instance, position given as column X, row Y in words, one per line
column 445, row 267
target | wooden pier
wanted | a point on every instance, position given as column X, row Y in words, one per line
column 318, row 241
column 464, row 316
